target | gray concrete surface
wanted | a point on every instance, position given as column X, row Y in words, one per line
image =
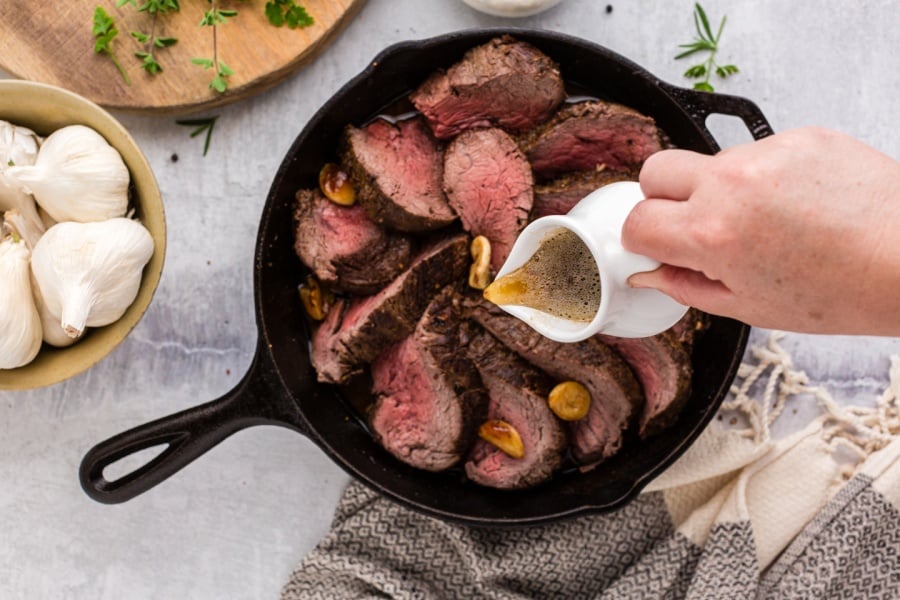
column 234, row 523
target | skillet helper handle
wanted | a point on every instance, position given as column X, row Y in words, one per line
column 699, row 105
column 188, row 434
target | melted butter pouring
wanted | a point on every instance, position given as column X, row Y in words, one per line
column 561, row 278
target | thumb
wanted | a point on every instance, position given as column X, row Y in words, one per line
column 687, row 287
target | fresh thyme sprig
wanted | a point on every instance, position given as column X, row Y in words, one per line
column 207, row 125
column 150, row 40
column 705, row 42
column 212, row 18
column 105, row 31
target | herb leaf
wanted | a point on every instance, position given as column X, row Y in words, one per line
column 201, row 125
column 705, row 42
column 105, row 32
column 286, row 12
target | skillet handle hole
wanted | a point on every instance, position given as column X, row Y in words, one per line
column 729, row 130
column 130, row 463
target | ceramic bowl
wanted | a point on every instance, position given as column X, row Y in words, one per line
column 44, row 108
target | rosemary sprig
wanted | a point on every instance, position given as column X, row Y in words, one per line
column 105, row 31
column 705, row 41
column 201, row 125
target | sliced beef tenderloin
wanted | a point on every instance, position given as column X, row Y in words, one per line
column 616, row 398
column 560, row 195
column 430, row 399
column 397, row 168
column 518, row 395
column 663, row 367
column 692, row 326
column 583, row 135
column 489, row 184
column 355, row 332
column 344, row 248
column 504, row 83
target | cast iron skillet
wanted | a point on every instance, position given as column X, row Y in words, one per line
column 280, row 387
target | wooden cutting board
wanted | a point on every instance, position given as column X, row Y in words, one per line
column 53, row 42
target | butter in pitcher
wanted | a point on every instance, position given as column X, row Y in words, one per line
column 561, row 278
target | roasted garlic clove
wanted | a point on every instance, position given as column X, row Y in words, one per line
column 570, row 401
column 316, row 298
column 504, row 436
column 480, row 270
column 336, row 185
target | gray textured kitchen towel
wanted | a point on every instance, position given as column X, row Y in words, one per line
column 738, row 516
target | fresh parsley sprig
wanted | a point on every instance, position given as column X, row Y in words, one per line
column 705, row 41
column 286, row 12
column 105, row 32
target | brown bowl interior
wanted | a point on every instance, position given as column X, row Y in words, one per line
column 44, row 109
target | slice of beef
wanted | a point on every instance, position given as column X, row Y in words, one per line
column 430, row 399
column 344, row 248
column 584, row 135
column 504, row 83
column 691, row 327
column 560, row 195
column 518, row 394
column 616, row 398
column 489, row 184
column 397, row 168
column 664, row 369
column 355, row 332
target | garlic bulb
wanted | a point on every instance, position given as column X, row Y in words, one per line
column 89, row 273
column 24, row 228
column 51, row 329
column 20, row 324
column 77, row 176
column 18, row 147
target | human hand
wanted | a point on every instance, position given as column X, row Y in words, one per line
column 799, row 231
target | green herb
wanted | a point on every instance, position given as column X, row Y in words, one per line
column 105, row 31
column 278, row 13
column 212, row 18
column 285, row 12
column 705, row 42
column 201, row 125
column 150, row 40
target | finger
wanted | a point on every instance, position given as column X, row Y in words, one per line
column 673, row 174
column 687, row 287
column 658, row 229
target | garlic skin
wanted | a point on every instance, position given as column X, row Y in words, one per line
column 77, row 176
column 20, row 324
column 88, row 274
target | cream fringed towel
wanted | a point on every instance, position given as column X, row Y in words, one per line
column 814, row 515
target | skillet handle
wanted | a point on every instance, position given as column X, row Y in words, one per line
column 699, row 105
column 259, row 399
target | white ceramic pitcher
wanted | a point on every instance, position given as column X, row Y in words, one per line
column 624, row 311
